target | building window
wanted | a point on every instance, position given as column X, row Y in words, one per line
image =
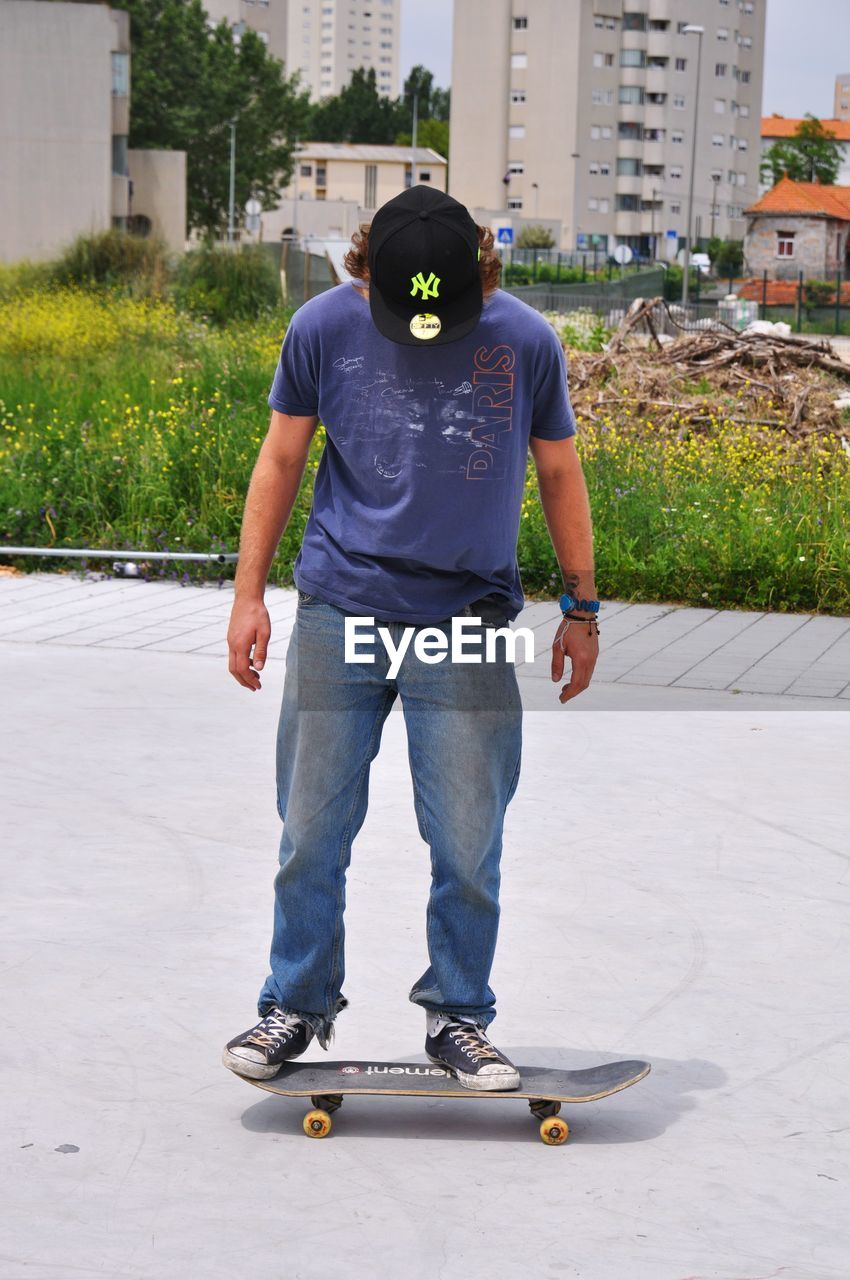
column 681, row 64
column 370, row 198
column 321, row 175
column 120, row 74
column 675, row 206
column 628, row 167
column 514, row 202
column 677, row 136
column 676, row 171
column 520, row 24
column 606, row 131
column 631, row 93
column 744, row 110
column 627, row 203
column 592, row 202
column 306, row 171
column 603, row 205
column 603, row 59
column 605, row 169
column 119, row 154
column 720, row 69
column 424, row 175
column 593, row 167
column 516, row 170
column 634, row 22
column 629, row 129
column 719, row 106
column 517, row 96
column 678, row 102
column 632, row 58
column 519, row 60
column 516, row 131
column 717, row 139
column 602, row 97
column 785, row 244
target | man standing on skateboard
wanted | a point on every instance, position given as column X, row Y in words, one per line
column 432, row 385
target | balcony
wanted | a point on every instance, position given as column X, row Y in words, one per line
column 652, row 153
column 628, row 184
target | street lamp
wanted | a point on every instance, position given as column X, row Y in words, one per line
column 692, row 29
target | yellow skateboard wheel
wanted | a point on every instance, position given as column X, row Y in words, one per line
column 317, row 1124
column 554, row 1131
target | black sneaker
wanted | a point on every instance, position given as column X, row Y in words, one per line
column 262, row 1051
column 463, row 1047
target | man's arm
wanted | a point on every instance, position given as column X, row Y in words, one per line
column 271, row 496
column 566, row 508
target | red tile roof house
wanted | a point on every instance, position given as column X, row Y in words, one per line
column 798, row 226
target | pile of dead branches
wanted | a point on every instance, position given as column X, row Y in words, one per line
column 785, row 383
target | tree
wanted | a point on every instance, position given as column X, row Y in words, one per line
column 811, row 154
column 187, row 82
column 535, row 237
column 357, row 114
column 429, row 133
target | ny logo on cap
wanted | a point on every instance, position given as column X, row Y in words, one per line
column 427, row 288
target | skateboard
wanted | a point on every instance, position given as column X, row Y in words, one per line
column 544, row 1088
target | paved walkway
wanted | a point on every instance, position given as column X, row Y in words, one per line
column 675, row 887
column 666, row 648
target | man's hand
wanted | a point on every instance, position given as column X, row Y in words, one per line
column 582, row 650
column 250, row 628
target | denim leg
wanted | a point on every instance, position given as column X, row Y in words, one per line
column 464, row 727
column 329, row 731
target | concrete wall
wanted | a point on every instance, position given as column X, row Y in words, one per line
column 56, row 113
column 159, row 193
column 820, row 247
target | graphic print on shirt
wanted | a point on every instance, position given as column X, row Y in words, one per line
column 414, row 422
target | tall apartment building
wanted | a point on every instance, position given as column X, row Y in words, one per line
column 64, row 119
column 841, row 110
column 581, row 113
column 325, row 40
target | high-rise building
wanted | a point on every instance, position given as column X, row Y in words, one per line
column 324, row 40
column 580, row 113
column 841, row 110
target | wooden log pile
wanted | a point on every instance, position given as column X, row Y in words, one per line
column 787, row 384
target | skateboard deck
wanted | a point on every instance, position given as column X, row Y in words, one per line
column 544, row 1088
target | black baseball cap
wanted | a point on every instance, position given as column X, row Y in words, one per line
column 424, row 284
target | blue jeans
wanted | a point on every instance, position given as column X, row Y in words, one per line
column 464, row 729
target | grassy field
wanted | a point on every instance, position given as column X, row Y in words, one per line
column 129, row 424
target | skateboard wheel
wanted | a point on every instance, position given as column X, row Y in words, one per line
column 554, row 1131
column 317, row 1124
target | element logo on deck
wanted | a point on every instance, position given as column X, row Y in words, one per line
column 381, row 1070
column 350, row 1071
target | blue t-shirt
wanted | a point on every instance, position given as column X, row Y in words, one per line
column 418, row 495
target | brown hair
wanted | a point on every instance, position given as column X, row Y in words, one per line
column 356, row 259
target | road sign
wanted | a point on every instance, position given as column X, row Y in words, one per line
column 505, row 235
column 253, row 208
column 581, row 240
column 672, row 235
column 623, row 254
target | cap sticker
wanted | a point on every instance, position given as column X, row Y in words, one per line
column 424, row 325
column 429, row 288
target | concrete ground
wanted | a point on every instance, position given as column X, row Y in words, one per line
column 675, row 887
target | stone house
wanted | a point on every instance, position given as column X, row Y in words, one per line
column 799, row 226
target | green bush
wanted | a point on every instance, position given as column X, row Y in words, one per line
column 224, row 284
column 23, row 277
column 138, row 265
column 729, row 259
column 819, row 293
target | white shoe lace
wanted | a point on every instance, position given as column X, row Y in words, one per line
column 474, row 1043
column 274, row 1030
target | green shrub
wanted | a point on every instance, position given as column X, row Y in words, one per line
column 225, row 284
column 138, row 265
column 23, row 277
column 819, row 293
